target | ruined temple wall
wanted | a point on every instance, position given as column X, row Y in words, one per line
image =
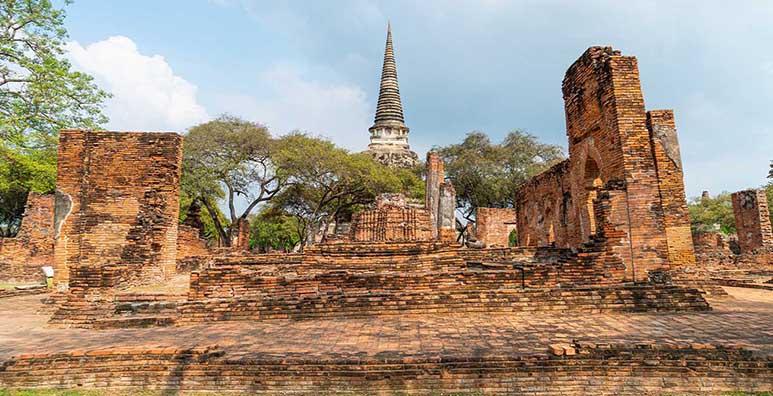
column 752, row 220
column 610, row 152
column 546, row 215
column 117, row 205
column 606, row 127
column 494, row 225
column 22, row 256
column 676, row 219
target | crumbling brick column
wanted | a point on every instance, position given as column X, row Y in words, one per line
column 434, row 178
column 447, row 212
column 752, row 220
column 668, row 161
column 494, row 225
column 116, row 207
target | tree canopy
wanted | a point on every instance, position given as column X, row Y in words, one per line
column 708, row 213
column 230, row 158
column 39, row 95
column 487, row 174
column 327, row 183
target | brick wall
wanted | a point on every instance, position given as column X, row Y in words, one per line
column 391, row 218
column 752, row 220
column 494, row 225
column 190, row 243
column 117, row 205
column 33, row 247
column 676, row 219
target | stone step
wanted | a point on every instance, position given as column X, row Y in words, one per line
column 135, row 322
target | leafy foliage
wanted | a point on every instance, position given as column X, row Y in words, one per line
column 274, row 230
column 39, row 95
column 327, row 183
column 706, row 213
column 486, row 174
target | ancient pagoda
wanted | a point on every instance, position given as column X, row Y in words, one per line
column 389, row 135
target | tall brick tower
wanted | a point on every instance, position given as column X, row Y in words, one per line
column 389, row 135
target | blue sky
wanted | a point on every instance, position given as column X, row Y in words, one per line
column 489, row 65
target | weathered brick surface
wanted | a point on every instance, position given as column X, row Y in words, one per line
column 435, row 176
column 391, row 218
column 355, row 279
column 494, row 225
column 22, row 257
column 117, row 204
column 668, row 161
column 446, row 214
column 617, row 158
column 752, row 220
column 190, row 243
column 579, row 368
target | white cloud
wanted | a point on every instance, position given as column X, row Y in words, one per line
column 290, row 101
column 147, row 95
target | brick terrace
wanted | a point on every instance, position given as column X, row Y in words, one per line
column 744, row 320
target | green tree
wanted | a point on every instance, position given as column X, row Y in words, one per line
column 326, row 183
column 226, row 159
column 706, row 213
column 274, row 230
column 487, row 174
column 39, row 95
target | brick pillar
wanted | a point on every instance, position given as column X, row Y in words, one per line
column 447, row 212
column 434, row 178
column 243, row 239
column 752, row 220
column 668, row 162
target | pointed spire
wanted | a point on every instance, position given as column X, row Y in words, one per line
column 390, row 109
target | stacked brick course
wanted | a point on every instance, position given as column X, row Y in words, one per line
column 494, row 225
column 22, row 257
column 580, row 368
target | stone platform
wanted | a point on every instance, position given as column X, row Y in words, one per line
column 729, row 348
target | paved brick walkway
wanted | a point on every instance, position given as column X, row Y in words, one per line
column 746, row 319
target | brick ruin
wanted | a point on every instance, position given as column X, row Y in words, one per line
column 392, row 218
column 752, row 220
column 621, row 187
column 116, row 215
column 613, row 213
column 493, row 226
column 22, row 257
